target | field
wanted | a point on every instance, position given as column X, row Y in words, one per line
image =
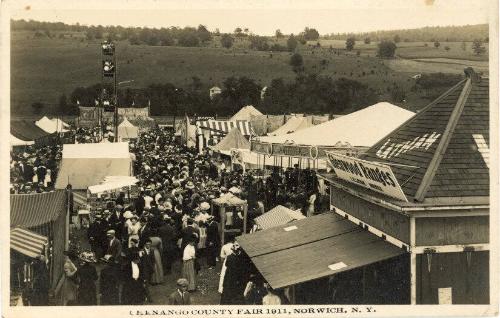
column 44, row 68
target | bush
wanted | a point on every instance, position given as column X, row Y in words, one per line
column 386, row 49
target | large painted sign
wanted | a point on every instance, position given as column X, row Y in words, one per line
column 375, row 176
column 134, row 113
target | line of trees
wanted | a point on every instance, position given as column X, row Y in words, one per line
column 426, row 34
column 307, row 93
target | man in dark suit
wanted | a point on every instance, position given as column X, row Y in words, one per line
column 116, row 221
column 181, row 295
column 167, row 234
column 145, row 232
column 188, row 233
column 114, row 248
column 213, row 242
column 147, row 267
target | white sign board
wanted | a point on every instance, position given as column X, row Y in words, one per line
column 374, row 176
column 444, row 295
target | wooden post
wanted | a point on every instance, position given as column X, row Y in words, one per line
column 413, row 264
column 245, row 213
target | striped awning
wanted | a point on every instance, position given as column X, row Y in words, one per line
column 80, row 198
column 26, row 242
column 217, row 129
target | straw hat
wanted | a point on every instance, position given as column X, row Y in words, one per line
column 128, row 214
column 204, row 206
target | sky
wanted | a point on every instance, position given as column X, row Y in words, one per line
column 261, row 16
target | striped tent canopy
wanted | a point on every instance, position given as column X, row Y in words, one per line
column 31, row 210
column 217, row 129
column 277, row 216
column 27, row 242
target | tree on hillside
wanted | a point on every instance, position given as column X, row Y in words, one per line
column 226, row 41
column 188, row 37
column 349, row 43
column 447, row 48
column 203, row 34
column 437, row 44
column 217, row 31
column 297, row 62
column 258, row 43
column 464, row 46
column 368, row 41
column 278, row 34
column 477, row 47
column 397, row 39
column 63, row 105
column 292, row 43
column 311, row 34
column 238, row 32
column 386, row 49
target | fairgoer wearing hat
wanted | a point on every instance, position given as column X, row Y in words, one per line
column 188, row 263
column 180, row 296
column 108, row 283
column 212, row 242
column 133, row 292
column 114, row 246
column 88, row 277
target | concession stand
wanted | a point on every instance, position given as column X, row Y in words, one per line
column 425, row 188
column 231, row 210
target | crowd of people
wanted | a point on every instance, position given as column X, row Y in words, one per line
column 171, row 220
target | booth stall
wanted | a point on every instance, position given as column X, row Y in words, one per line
column 425, row 188
column 39, row 226
column 232, row 215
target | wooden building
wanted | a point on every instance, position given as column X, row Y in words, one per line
column 425, row 187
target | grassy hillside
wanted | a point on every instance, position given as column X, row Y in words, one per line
column 44, row 68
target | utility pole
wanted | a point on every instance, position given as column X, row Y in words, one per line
column 109, row 100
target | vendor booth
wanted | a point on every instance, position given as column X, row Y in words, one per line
column 39, row 226
column 232, row 215
column 211, row 132
column 246, row 113
column 27, row 131
column 85, row 165
column 425, row 188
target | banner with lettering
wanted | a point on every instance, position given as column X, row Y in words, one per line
column 375, row 176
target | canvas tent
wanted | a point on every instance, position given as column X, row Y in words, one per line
column 28, row 131
column 127, row 131
column 361, row 128
column 294, row 124
column 233, row 140
column 277, row 216
column 84, row 165
column 246, row 113
column 14, row 142
column 187, row 133
column 51, row 125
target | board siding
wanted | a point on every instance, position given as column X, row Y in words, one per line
column 452, row 231
column 385, row 220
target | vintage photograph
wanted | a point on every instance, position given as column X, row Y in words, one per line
column 320, row 153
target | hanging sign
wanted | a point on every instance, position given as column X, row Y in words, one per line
column 375, row 176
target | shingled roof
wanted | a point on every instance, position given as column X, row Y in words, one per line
column 443, row 151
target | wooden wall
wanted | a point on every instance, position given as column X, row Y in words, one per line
column 452, row 230
column 388, row 221
column 469, row 280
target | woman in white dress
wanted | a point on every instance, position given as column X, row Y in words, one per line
column 133, row 230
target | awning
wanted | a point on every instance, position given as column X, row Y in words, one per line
column 313, row 248
column 277, row 216
column 27, row 243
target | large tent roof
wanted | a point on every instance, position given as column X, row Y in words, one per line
column 234, row 139
column 294, row 124
column 96, row 150
column 126, row 123
column 26, row 130
column 277, row 216
column 444, row 150
column 84, row 165
column 246, row 113
column 362, row 128
column 127, row 130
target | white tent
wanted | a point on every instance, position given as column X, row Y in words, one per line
column 362, row 128
column 51, row 125
column 292, row 125
column 127, row 131
column 85, row 165
column 246, row 113
column 277, row 216
column 14, row 141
